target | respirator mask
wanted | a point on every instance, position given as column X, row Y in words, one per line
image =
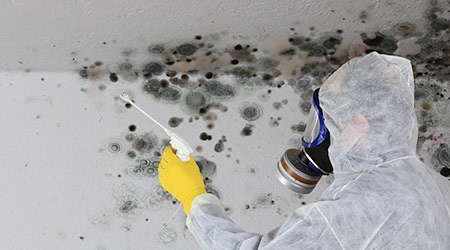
column 301, row 169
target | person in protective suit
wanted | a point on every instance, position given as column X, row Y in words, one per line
column 383, row 196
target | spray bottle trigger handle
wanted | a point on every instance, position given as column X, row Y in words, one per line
column 183, row 149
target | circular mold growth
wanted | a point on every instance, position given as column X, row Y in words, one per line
column 443, row 156
column 195, row 100
column 186, row 49
column 305, row 107
column 152, row 86
column 146, row 167
column 156, row 49
column 114, row 147
column 250, row 111
column 155, row 68
column 304, row 83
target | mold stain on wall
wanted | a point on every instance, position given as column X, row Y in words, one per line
column 202, row 76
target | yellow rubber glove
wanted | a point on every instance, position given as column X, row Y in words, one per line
column 182, row 179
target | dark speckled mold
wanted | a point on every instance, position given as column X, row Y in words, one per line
column 187, row 49
column 218, row 89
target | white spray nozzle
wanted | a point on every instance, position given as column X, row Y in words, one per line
column 125, row 97
column 184, row 150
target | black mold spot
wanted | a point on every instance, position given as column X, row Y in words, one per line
column 164, row 83
column 128, row 105
column 382, row 42
column 247, row 130
column 187, row 49
column 156, row 49
column 209, row 75
column 445, row 171
column 83, row 73
column 267, row 77
column 204, row 136
column 145, row 142
column 132, row 127
column 219, row 147
column 218, row 89
column 175, row 121
column 250, row 111
column 113, row 77
column 114, row 147
column 207, row 168
column 234, row 61
column 171, row 73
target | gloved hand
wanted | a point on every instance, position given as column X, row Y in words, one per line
column 182, row 179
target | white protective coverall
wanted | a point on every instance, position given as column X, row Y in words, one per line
column 383, row 196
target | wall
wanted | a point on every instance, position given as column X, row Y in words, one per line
column 78, row 167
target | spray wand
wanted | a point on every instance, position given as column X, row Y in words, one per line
column 183, row 149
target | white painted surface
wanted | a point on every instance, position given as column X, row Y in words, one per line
column 45, row 35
